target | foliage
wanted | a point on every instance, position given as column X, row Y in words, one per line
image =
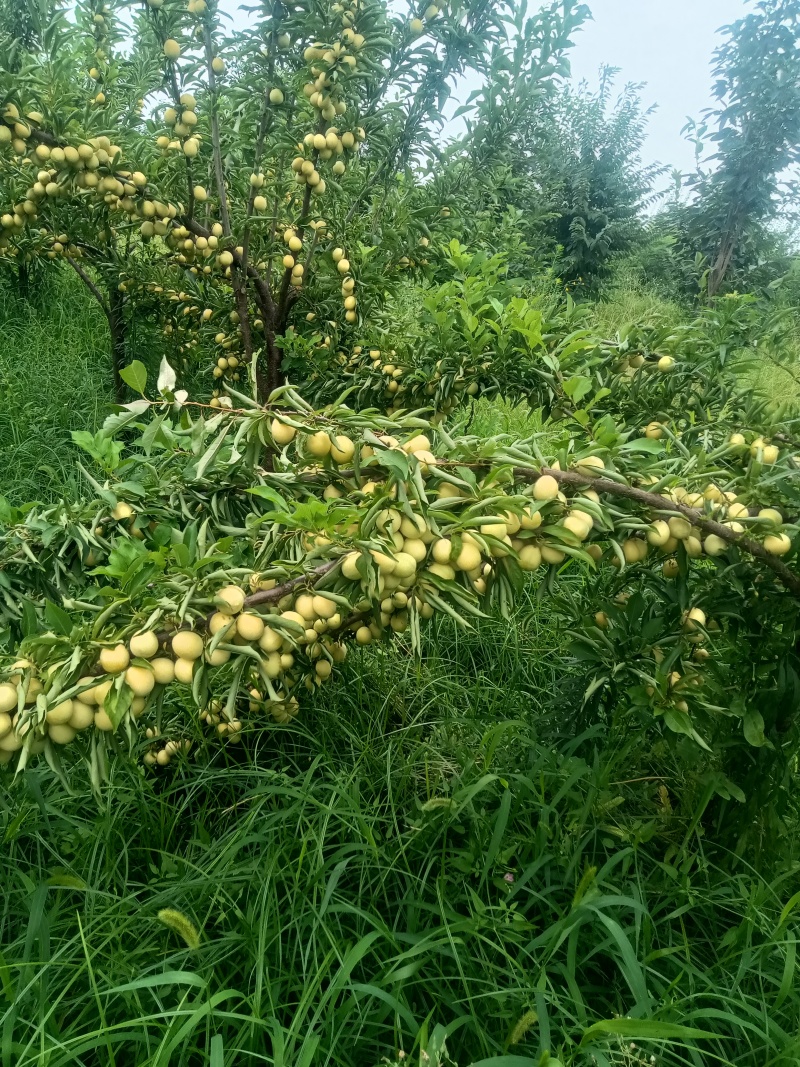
column 239, row 207
column 560, row 177
column 351, row 722
column 756, row 132
column 425, row 858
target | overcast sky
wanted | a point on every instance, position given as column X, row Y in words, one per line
column 667, row 44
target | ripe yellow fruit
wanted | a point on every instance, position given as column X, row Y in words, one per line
column 545, row 488
column 777, row 544
column 468, row 558
column 530, row 520
column 8, row 698
column 578, row 523
column 349, row 566
column 770, row 454
column 281, row 433
column 218, row 65
column 184, row 670
column 318, row 444
column 304, row 606
column 102, row 721
column 695, row 619
column 144, row 645
column 666, row 363
column 187, row 644
column 230, row 600
column 270, row 640
column 417, row 27
column 249, row 626
column 530, row 557
column 172, row 49
column 670, row 568
column 634, row 550
column 324, row 607
column 343, row 266
column 416, row 444
column 654, row 431
column 276, row 96
column 771, row 515
column 364, row 635
column 61, row 733
column 680, row 527
column 163, row 670
column 385, row 564
column 441, row 551
column 59, row 713
column 693, row 546
column 659, row 533
column 122, row 511
column 219, row 621
column 736, row 440
column 714, row 545
column 552, row 555
column 114, row 660
column 141, row 680
column 590, row 465
column 342, row 449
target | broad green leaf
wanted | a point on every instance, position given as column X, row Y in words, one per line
column 753, row 727
column 135, row 375
column 57, row 619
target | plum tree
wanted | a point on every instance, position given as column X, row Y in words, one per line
column 232, row 184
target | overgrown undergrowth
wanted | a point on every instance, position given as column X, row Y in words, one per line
column 431, row 845
column 444, row 845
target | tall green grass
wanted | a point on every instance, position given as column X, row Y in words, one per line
column 55, row 377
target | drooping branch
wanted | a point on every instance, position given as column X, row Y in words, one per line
column 659, row 504
column 265, row 596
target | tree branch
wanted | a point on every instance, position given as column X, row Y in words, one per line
column 90, row 285
column 658, row 503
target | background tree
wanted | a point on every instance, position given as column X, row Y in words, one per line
column 756, row 133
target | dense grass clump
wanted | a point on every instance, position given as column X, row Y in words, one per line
column 429, row 851
column 55, row 377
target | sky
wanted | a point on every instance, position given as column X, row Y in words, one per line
column 668, row 45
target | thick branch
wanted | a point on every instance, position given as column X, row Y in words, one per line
column 264, row 596
column 90, row 285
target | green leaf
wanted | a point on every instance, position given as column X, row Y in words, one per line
column 29, row 624
column 679, row 722
column 393, row 460
column 135, row 376
column 116, row 704
column 57, row 619
column 644, row 1028
column 753, row 727
column 642, row 444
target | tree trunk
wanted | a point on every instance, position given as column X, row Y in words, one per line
column 722, row 264
column 24, row 280
column 116, row 326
